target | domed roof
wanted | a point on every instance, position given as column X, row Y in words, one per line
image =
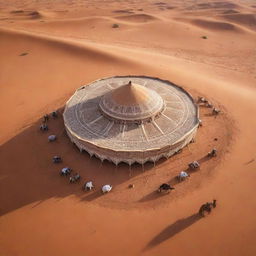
column 131, row 94
column 106, row 119
column 131, row 102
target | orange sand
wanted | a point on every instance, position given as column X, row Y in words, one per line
column 50, row 48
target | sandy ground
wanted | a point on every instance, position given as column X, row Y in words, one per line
column 50, row 48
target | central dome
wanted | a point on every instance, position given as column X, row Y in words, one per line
column 131, row 103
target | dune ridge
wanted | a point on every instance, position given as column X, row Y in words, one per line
column 137, row 18
column 22, row 14
column 245, row 19
column 215, row 25
column 65, row 44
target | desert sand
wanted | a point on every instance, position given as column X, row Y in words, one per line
column 50, row 48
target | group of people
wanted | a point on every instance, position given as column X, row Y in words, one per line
column 88, row 186
column 183, row 175
column 204, row 102
column 44, row 126
column 207, row 207
column 66, row 171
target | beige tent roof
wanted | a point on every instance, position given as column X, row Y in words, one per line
column 140, row 121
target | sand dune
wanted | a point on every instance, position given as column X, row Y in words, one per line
column 50, row 48
column 215, row 25
column 21, row 14
column 245, row 19
column 66, row 45
column 125, row 11
column 137, row 18
column 230, row 11
column 214, row 5
column 104, row 23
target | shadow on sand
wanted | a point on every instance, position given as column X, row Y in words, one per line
column 172, row 230
column 152, row 196
column 28, row 176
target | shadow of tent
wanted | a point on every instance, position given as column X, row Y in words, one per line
column 28, row 176
column 172, row 230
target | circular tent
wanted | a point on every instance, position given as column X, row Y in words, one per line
column 131, row 119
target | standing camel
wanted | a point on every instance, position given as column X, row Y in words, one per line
column 207, row 207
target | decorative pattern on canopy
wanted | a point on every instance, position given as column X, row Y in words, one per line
column 131, row 119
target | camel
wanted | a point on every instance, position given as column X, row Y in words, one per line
column 165, row 187
column 207, row 207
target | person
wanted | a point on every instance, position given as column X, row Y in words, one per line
column 45, row 118
column 75, row 178
column 212, row 153
column 65, row 171
column 88, row 185
column 54, row 114
column 194, row 165
column 56, row 159
column 215, row 111
column 202, row 100
column 106, row 188
column 208, row 105
column 52, row 138
column 183, row 175
column 44, row 127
